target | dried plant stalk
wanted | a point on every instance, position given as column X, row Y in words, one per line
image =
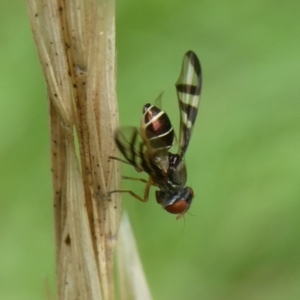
column 132, row 281
column 75, row 40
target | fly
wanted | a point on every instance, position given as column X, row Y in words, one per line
column 147, row 148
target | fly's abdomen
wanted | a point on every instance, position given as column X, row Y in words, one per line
column 156, row 128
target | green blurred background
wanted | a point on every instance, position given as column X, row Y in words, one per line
column 241, row 240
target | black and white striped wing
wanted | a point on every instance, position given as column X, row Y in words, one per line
column 129, row 142
column 188, row 91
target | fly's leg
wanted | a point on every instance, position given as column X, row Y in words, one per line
column 135, row 179
column 124, row 162
column 119, row 159
column 133, row 194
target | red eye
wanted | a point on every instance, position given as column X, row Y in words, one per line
column 178, row 207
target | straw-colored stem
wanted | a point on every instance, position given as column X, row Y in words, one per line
column 76, row 46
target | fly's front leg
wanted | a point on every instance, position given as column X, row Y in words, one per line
column 133, row 194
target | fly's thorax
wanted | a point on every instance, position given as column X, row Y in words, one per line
column 156, row 128
column 177, row 171
column 158, row 160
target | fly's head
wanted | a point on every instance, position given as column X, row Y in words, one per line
column 177, row 202
column 175, row 198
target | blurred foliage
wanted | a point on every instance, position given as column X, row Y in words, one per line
column 241, row 238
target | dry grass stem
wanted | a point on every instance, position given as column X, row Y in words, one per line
column 132, row 281
column 76, row 46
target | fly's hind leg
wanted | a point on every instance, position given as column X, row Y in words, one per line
column 133, row 194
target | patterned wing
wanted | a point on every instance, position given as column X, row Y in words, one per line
column 129, row 142
column 188, row 91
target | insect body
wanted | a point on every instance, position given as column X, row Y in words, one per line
column 147, row 148
column 157, row 134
